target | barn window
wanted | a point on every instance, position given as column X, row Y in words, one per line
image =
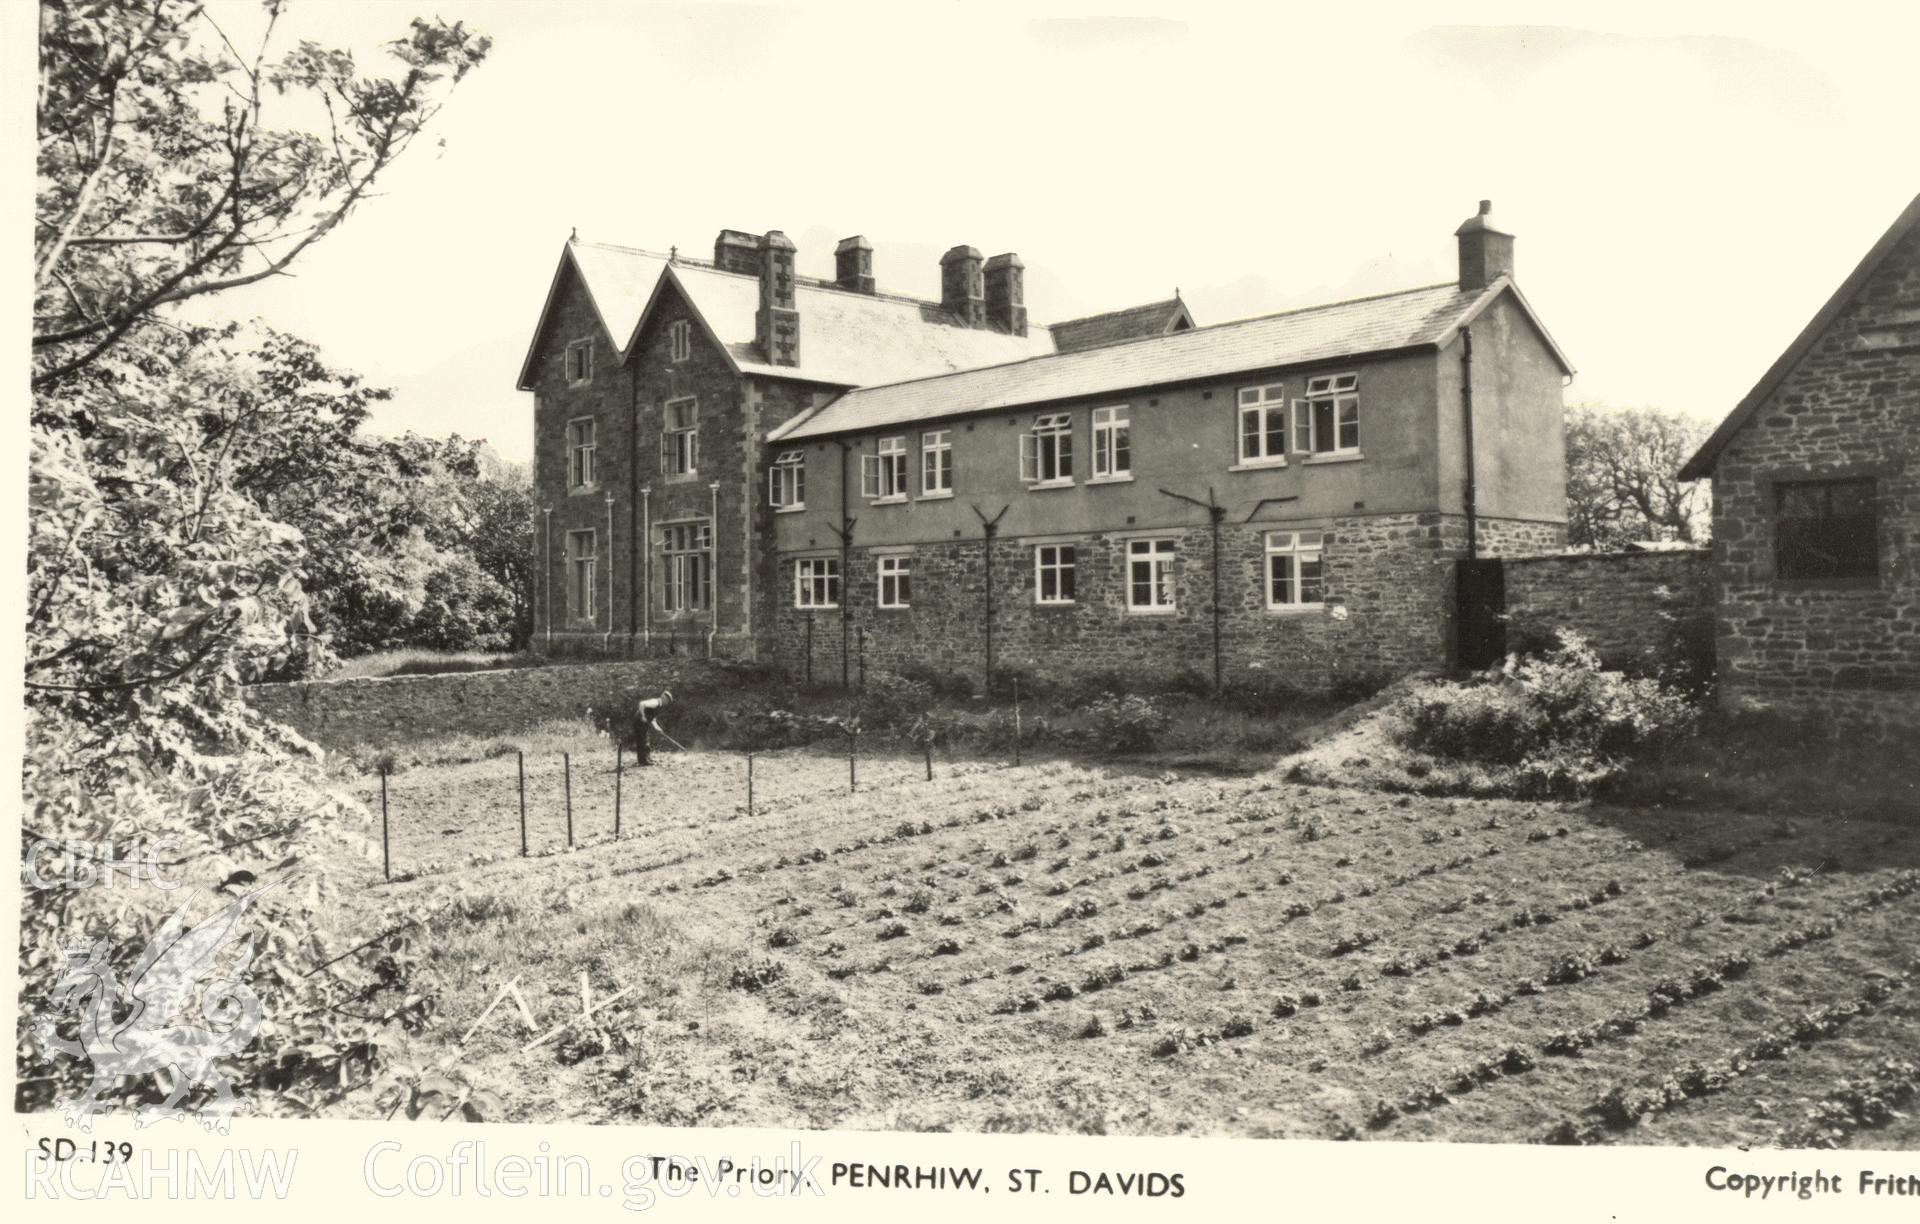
column 1825, row 530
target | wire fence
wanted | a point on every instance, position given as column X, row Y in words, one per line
column 558, row 801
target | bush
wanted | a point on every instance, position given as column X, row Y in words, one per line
column 1126, row 724
column 941, row 682
column 1560, row 718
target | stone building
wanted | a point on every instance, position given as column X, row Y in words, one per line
column 1816, row 508
column 737, row 459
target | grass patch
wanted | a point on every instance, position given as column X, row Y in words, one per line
column 1767, row 763
column 432, row 663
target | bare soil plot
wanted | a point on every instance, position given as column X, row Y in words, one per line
column 1068, row 949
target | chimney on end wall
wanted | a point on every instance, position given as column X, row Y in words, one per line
column 853, row 264
column 963, row 289
column 737, row 251
column 777, row 325
column 1007, row 293
column 1486, row 254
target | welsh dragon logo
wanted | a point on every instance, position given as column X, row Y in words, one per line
column 131, row 1030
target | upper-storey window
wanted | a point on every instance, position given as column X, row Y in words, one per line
column 680, row 440
column 680, row 340
column 883, row 476
column 1825, row 529
column 1327, row 421
column 1046, row 454
column 580, row 362
column 1263, row 423
column 787, row 481
column 1112, row 444
column 936, row 463
column 580, row 453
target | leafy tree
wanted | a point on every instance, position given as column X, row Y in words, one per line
column 1623, row 480
column 502, row 541
column 158, row 579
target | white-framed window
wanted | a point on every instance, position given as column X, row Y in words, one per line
column 580, row 561
column 1046, row 454
column 787, row 481
column 883, row 475
column 816, row 582
column 1112, row 444
column 1294, row 574
column 1327, row 420
column 896, row 581
column 686, row 567
column 680, row 340
column 1053, row 566
column 580, row 435
column 580, row 362
column 680, row 440
column 936, row 463
column 1263, row 423
column 1150, row 575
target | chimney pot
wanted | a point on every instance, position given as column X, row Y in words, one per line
column 853, row 264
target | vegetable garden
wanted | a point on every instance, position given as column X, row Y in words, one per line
column 1051, row 947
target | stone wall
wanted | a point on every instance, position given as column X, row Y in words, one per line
column 1387, row 610
column 395, row 709
column 1848, row 651
column 1631, row 607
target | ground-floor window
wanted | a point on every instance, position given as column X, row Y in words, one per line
column 1053, row 566
column 816, row 582
column 1294, row 569
column 896, row 575
column 580, row 561
column 1150, row 575
column 686, row 567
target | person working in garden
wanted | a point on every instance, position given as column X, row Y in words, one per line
column 644, row 724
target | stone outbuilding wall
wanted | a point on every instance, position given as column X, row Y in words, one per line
column 1632, row 608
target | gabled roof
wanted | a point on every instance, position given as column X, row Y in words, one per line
column 1413, row 318
column 847, row 339
column 1709, row 453
column 1152, row 319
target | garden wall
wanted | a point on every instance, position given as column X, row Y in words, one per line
column 392, row 709
column 1629, row 606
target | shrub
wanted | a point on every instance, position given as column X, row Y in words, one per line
column 1560, row 718
column 1132, row 723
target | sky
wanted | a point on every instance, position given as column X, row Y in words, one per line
column 1687, row 185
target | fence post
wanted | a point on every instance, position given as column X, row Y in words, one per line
column 617, row 771
column 566, row 764
column 386, row 859
column 749, row 785
column 522, row 758
column 852, row 738
column 1016, row 720
column 929, row 756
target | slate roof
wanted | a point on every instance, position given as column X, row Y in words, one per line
column 1152, row 319
column 1709, row 453
column 1412, row 318
column 847, row 339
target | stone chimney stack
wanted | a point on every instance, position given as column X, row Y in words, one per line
column 735, row 251
column 963, row 289
column 1486, row 254
column 853, row 264
column 1007, row 293
column 777, row 325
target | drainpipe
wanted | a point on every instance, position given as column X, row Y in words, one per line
column 846, row 570
column 606, row 639
column 547, row 548
column 646, row 565
column 713, row 567
column 633, row 515
column 1466, row 415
